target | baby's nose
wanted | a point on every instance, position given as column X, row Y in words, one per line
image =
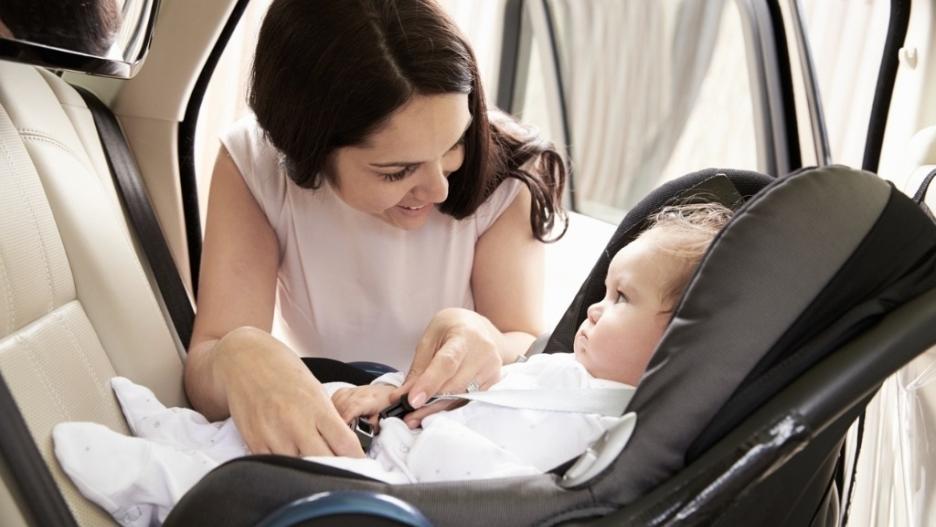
column 594, row 312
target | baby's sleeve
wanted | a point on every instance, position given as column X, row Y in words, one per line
column 332, row 387
column 393, row 378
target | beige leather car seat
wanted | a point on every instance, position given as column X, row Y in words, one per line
column 76, row 303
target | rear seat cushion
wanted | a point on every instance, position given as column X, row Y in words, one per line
column 76, row 306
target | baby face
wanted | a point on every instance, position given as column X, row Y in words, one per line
column 617, row 338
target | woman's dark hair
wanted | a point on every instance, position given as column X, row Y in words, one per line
column 327, row 74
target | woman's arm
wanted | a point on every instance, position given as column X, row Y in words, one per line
column 234, row 366
column 238, row 278
column 507, row 278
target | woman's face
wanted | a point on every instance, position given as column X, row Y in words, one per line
column 400, row 172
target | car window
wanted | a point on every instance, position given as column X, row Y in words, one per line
column 847, row 62
column 653, row 90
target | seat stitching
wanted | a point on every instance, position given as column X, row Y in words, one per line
column 39, row 136
column 28, row 134
column 37, row 365
column 9, row 297
column 82, row 353
column 35, row 218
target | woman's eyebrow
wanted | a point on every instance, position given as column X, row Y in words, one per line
column 414, row 163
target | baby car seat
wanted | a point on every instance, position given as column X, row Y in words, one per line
column 822, row 285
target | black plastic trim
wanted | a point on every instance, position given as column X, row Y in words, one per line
column 510, row 56
column 188, row 177
column 563, row 106
column 887, row 76
column 813, row 95
column 794, row 155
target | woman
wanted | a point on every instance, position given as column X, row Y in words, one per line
column 370, row 195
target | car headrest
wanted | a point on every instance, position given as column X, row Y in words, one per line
column 805, row 265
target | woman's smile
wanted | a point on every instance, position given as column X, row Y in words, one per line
column 414, row 212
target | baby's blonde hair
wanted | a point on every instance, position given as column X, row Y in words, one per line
column 686, row 231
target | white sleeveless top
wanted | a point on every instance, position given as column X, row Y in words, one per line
column 351, row 287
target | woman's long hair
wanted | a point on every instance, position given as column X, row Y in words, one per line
column 327, row 74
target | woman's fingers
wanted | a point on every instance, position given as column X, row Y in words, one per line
column 426, row 349
column 293, row 418
column 466, row 377
column 414, row 419
column 339, row 437
column 314, row 445
column 452, row 370
column 444, row 365
column 458, row 348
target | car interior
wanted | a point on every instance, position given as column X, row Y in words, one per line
column 101, row 193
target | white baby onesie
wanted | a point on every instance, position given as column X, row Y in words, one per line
column 139, row 479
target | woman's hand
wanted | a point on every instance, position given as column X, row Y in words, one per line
column 363, row 401
column 278, row 405
column 458, row 349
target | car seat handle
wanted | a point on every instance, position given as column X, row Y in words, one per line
column 920, row 196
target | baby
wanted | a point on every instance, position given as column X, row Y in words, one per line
column 569, row 398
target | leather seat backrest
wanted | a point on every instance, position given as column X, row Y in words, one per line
column 76, row 303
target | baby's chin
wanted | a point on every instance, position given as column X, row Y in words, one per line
column 577, row 347
column 579, row 352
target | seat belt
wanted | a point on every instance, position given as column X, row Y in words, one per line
column 136, row 202
column 32, row 484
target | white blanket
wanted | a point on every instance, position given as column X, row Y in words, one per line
column 139, row 479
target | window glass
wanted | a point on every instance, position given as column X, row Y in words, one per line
column 225, row 98
column 653, row 90
column 846, row 40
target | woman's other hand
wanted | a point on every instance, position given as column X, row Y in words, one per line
column 458, row 349
column 278, row 405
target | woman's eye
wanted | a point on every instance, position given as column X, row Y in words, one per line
column 621, row 297
column 396, row 176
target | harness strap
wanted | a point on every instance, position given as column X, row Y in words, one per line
column 604, row 401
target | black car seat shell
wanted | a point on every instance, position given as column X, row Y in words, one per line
column 806, row 267
column 817, row 257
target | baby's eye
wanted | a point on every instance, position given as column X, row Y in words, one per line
column 621, row 297
column 396, row 176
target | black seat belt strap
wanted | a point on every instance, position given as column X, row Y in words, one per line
column 136, row 202
column 32, row 484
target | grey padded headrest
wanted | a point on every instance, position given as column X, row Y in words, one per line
column 762, row 272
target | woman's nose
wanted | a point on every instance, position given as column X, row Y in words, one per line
column 433, row 186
